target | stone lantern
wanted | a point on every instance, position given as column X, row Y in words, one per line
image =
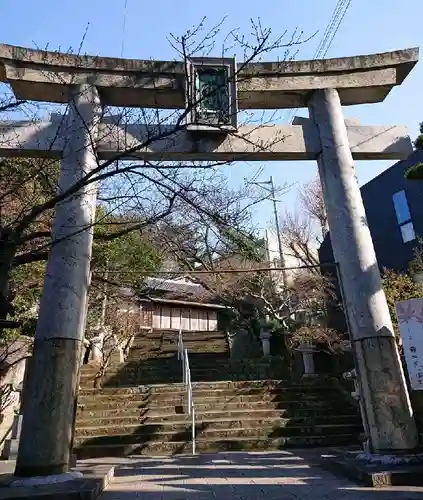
column 265, row 336
column 307, row 351
column 211, row 101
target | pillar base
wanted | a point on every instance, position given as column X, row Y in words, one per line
column 45, row 446
column 51, row 479
column 400, row 459
column 374, row 475
column 385, row 398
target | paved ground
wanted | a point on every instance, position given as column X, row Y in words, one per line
column 236, row 476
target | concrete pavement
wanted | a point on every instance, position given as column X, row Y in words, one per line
column 236, row 476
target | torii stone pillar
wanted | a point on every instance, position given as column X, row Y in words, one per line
column 47, row 427
column 383, row 389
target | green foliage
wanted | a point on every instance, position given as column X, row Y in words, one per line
column 126, row 257
column 26, row 283
column 416, row 265
column 8, row 336
column 415, row 173
column 418, row 143
column 399, row 286
column 246, row 245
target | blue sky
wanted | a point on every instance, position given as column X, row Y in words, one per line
column 369, row 26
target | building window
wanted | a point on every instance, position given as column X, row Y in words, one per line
column 403, row 214
column 407, row 232
column 401, row 207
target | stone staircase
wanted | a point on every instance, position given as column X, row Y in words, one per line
column 141, row 408
column 152, row 359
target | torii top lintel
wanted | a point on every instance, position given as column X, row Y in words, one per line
column 47, row 76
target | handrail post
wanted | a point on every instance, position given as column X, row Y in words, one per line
column 193, row 429
column 186, row 379
column 179, row 344
column 184, row 372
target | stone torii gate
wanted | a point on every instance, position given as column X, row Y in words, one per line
column 87, row 83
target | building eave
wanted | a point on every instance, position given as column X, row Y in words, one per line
column 199, row 305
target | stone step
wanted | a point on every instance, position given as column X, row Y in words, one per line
column 267, row 385
column 224, row 393
column 168, row 399
column 174, row 338
column 88, row 414
column 201, row 407
column 114, row 372
column 208, row 446
column 195, row 351
column 131, row 434
column 210, row 397
column 194, row 340
column 170, row 370
column 134, row 378
column 192, row 347
column 210, row 359
column 230, row 414
column 164, row 357
column 119, row 423
column 292, row 405
column 175, row 412
column 192, row 343
column 113, row 384
column 162, row 377
column 174, row 367
column 140, row 356
column 174, row 334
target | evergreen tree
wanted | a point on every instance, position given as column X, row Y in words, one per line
column 415, row 173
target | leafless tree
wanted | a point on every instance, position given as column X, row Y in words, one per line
column 303, row 230
column 229, row 268
column 115, row 339
column 312, row 204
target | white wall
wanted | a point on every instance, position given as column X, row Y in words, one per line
column 14, row 376
column 189, row 319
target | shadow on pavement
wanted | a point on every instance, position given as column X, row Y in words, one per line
column 237, row 476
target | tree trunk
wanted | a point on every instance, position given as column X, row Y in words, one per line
column 4, row 291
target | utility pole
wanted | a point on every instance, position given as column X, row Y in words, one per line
column 275, row 213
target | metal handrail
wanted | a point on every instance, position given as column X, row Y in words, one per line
column 186, row 379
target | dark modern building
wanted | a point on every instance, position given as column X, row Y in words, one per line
column 394, row 209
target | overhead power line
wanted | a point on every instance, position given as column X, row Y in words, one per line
column 125, row 9
column 332, row 28
column 228, row 271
